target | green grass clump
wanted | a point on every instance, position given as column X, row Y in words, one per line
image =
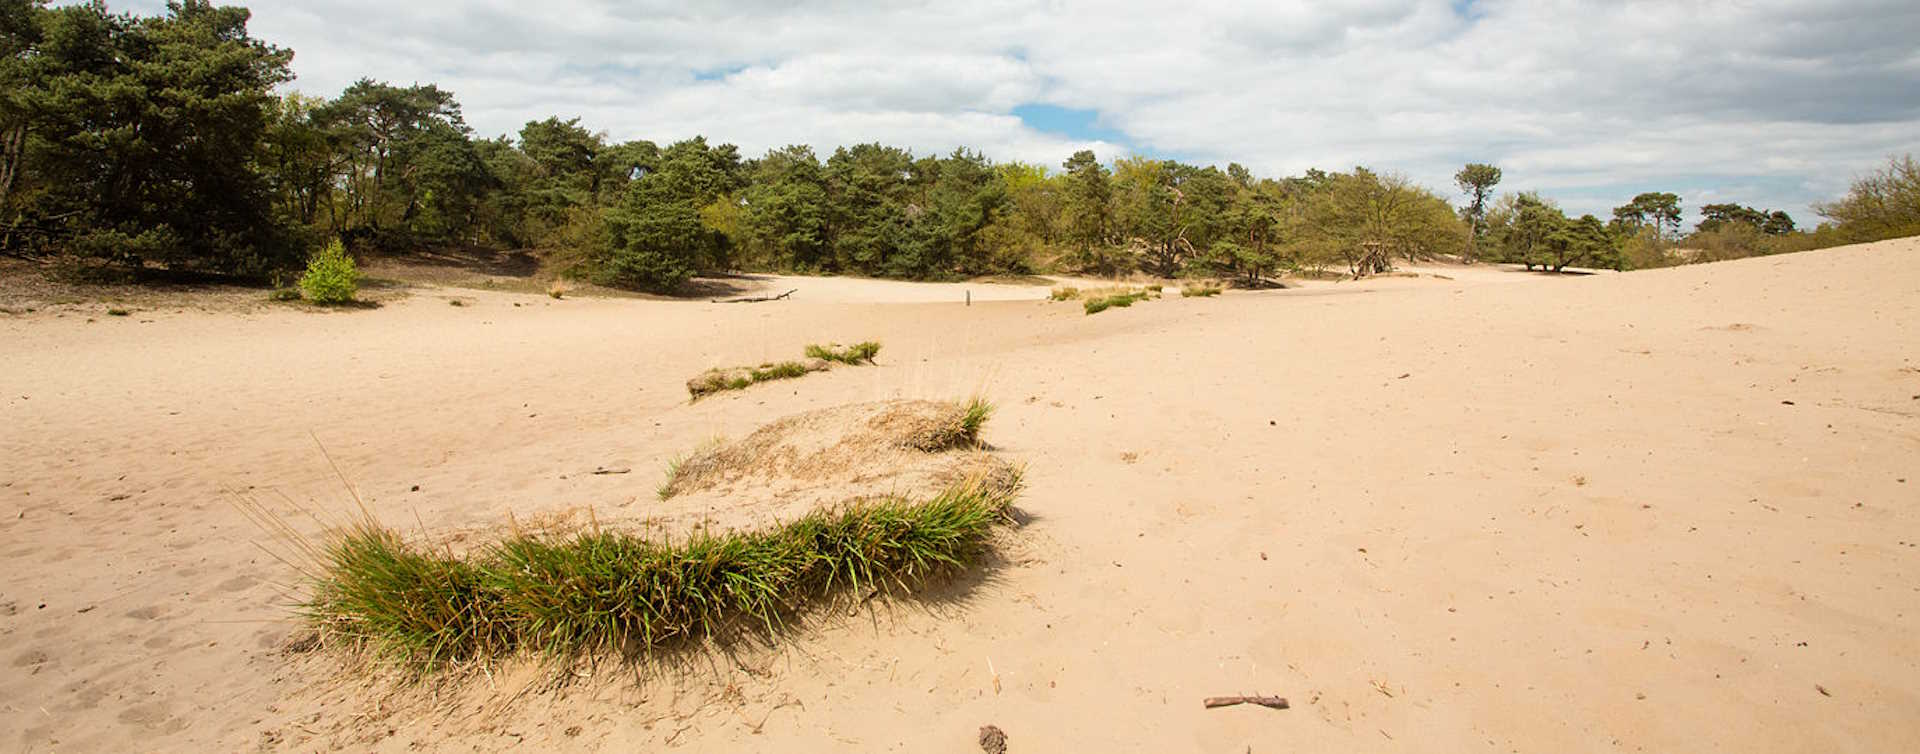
column 601, row 590
column 716, row 380
column 406, row 604
column 1064, row 293
column 331, row 276
column 958, row 427
column 285, row 294
column 1097, row 305
column 1190, row 291
column 784, row 370
column 118, row 312
column 1156, row 288
column 738, row 378
column 973, row 416
column 856, row 354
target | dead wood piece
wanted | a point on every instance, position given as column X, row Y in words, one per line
column 754, row 299
column 1273, row 702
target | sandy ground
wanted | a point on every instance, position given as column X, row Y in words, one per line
column 1673, row 510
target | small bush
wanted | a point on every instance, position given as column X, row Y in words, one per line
column 856, row 354
column 118, row 312
column 1156, row 288
column 1065, row 293
column 331, row 276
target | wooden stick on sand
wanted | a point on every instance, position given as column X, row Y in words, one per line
column 754, row 299
column 1274, row 702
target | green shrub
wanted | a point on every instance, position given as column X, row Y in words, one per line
column 331, row 277
column 118, row 312
column 1065, row 293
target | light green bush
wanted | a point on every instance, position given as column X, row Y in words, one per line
column 331, row 277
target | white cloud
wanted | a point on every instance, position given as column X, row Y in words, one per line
column 1765, row 102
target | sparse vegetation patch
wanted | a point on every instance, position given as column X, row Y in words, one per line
column 1202, row 290
column 1103, row 299
column 856, row 354
column 957, row 427
column 819, row 359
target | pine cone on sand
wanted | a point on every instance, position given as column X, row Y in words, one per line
column 993, row 740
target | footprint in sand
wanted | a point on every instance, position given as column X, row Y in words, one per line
column 153, row 716
column 30, row 658
column 149, row 612
column 238, row 583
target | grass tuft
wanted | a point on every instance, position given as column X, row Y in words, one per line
column 1199, row 289
column 958, row 427
column 118, row 312
column 738, row 378
column 1064, row 293
column 406, row 604
column 1097, row 305
column 856, row 354
column 973, row 416
column 603, row 590
column 284, row 294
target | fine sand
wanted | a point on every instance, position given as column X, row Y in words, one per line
column 1675, row 510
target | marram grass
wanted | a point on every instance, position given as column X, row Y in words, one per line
column 1103, row 303
column 720, row 380
column 858, row 353
column 612, row 591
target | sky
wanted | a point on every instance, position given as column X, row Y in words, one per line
column 1776, row 105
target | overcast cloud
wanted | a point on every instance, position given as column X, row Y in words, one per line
column 1774, row 104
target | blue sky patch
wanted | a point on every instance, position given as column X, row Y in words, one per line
column 1068, row 122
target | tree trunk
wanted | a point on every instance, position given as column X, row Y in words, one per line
column 12, row 141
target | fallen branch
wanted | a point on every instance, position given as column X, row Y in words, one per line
column 1274, row 702
column 754, row 299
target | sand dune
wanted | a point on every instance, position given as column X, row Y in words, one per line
column 1672, row 510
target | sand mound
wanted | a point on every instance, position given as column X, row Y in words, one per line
column 829, row 456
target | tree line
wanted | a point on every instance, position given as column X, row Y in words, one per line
column 160, row 142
